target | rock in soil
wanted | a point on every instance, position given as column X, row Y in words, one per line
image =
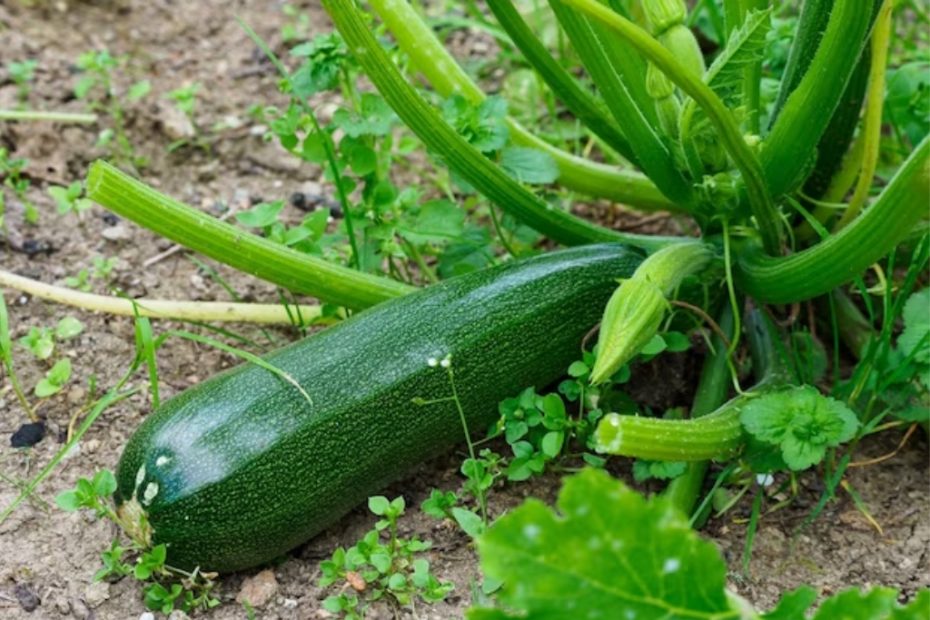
column 96, row 593
column 259, row 589
column 27, row 597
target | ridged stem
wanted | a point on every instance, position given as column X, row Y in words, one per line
column 446, row 76
column 872, row 124
column 483, row 174
column 812, row 22
column 730, row 136
column 233, row 246
column 590, row 40
column 843, row 256
column 712, row 437
column 587, row 108
column 752, row 79
column 789, row 147
column 711, row 393
column 717, row 435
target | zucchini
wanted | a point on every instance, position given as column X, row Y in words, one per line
column 239, row 469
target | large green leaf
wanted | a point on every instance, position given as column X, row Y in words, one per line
column 606, row 553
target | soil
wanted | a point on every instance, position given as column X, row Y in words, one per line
column 48, row 558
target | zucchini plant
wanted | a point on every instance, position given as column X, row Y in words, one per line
column 761, row 175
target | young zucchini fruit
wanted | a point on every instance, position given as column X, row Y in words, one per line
column 243, row 467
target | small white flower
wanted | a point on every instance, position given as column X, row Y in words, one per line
column 765, row 479
column 446, row 361
column 432, row 362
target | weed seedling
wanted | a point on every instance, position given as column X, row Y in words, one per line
column 22, row 73
column 55, row 379
column 40, row 341
column 166, row 588
column 185, row 100
column 12, row 172
column 96, row 86
column 6, row 356
column 374, row 567
column 101, row 269
column 70, row 199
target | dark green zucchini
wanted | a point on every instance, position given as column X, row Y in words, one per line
column 241, row 468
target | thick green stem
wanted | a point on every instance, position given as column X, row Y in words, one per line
column 752, row 79
column 789, row 148
column 729, row 133
column 712, row 389
column 233, row 246
column 718, row 435
column 855, row 329
column 839, row 134
column 456, row 152
column 588, row 109
column 447, row 77
column 845, row 255
column 590, row 40
column 872, row 125
column 812, row 22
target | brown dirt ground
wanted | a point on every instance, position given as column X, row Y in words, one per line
column 54, row 555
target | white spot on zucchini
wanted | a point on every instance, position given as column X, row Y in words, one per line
column 162, row 461
column 151, row 490
column 140, row 476
column 671, row 565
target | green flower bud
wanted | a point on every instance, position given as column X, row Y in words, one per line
column 668, row 110
column 684, row 47
column 663, row 14
column 632, row 317
column 657, row 83
column 636, row 309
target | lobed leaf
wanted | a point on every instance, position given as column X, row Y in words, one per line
column 608, row 547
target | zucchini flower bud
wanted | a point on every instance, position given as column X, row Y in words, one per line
column 663, row 14
column 662, row 90
column 684, row 47
column 636, row 309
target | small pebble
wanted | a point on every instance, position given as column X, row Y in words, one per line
column 240, row 198
column 80, row 610
column 28, row 435
column 299, row 200
column 115, row 233
column 33, row 247
column 259, row 589
column 177, row 614
column 76, row 395
column 27, row 597
column 147, row 615
column 96, row 593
